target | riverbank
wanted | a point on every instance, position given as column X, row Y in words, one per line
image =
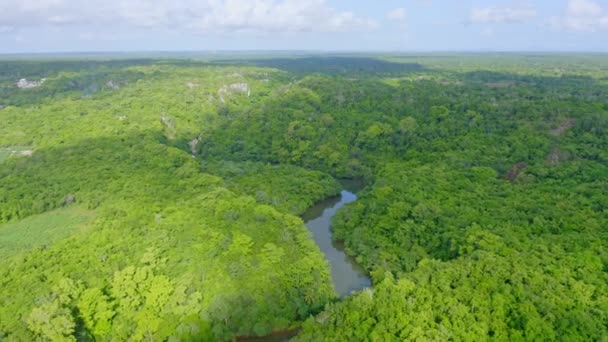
column 346, row 274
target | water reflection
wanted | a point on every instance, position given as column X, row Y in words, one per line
column 346, row 274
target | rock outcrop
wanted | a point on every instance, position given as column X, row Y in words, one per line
column 558, row 156
column 194, row 145
column 69, row 199
column 113, row 85
column 235, row 88
column 25, row 84
column 563, row 128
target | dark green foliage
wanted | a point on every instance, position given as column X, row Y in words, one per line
column 63, row 78
column 285, row 187
column 332, row 65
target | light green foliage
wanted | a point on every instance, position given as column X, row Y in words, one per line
column 52, row 322
column 96, row 312
column 42, row 230
column 171, row 254
column 484, row 217
column 180, row 224
column 195, row 242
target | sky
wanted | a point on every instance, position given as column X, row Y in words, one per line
column 40, row 26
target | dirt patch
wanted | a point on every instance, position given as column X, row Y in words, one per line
column 563, row 128
column 14, row 151
column 504, row 84
column 449, row 83
column 557, row 156
column 515, row 171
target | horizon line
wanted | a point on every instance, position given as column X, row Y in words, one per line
column 294, row 51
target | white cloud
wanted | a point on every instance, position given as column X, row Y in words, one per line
column 500, row 15
column 584, row 8
column 202, row 16
column 397, row 14
column 270, row 15
column 581, row 16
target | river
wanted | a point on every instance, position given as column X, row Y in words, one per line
column 346, row 274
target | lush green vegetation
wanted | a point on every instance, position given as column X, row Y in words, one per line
column 155, row 199
column 172, row 252
column 286, row 187
column 41, row 230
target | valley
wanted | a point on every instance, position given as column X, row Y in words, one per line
column 316, row 197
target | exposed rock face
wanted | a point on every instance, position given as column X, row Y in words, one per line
column 167, row 121
column 69, row 199
column 168, row 126
column 25, row 84
column 194, row 145
column 232, row 89
column 112, row 85
column 239, row 87
column 235, row 88
column 26, row 153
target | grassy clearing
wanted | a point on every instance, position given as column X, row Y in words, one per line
column 44, row 229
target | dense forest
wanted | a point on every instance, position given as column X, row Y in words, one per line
column 159, row 199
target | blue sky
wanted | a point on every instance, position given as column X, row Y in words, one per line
column 328, row 25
